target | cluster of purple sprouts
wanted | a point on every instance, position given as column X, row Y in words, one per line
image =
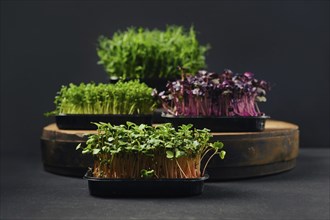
column 212, row 94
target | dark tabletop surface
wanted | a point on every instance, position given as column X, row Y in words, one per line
column 28, row 192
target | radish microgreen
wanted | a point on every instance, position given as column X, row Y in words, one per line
column 212, row 94
column 135, row 151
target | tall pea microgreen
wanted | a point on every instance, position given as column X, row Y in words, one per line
column 143, row 53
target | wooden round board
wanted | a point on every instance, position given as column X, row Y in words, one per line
column 59, row 154
column 249, row 154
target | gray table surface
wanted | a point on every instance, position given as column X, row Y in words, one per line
column 28, row 192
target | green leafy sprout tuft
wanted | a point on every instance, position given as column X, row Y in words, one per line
column 143, row 53
column 143, row 151
column 130, row 97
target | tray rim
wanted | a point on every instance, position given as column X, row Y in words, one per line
column 104, row 115
column 215, row 117
column 96, row 179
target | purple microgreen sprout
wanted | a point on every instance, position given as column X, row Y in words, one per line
column 213, row 94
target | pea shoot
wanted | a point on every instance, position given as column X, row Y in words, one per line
column 142, row 53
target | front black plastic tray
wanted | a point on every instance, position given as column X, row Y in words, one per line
column 83, row 121
column 220, row 124
column 102, row 187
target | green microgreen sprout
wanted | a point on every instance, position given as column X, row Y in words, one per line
column 143, row 53
column 147, row 174
column 143, row 151
column 130, row 97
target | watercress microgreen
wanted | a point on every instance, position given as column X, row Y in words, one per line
column 130, row 97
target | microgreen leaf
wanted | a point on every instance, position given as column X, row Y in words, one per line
column 218, row 145
column 222, row 154
column 169, row 154
column 147, row 173
column 178, row 153
column 96, row 151
column 85, row 151
column 78, row 146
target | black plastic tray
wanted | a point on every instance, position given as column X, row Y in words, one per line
column 102, row 187
column 83, row 121
column 220, row 124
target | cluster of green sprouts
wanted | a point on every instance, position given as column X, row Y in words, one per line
column 130, row 97
column 143, row 53
column 137, row 151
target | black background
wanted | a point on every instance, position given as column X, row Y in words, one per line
column 45, row 44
